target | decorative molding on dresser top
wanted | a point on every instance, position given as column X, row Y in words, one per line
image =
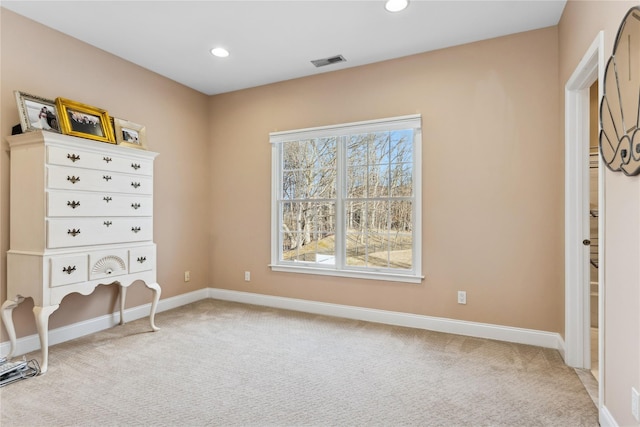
column 81, row 215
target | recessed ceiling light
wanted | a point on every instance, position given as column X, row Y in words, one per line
column 220, row 52
column 396, row 5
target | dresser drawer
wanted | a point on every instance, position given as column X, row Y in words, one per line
column 65, row 178
column 92, row 160
column 68, row 270
column 67, row 203
column 110, row 263
column 65, row 233
column 142, row 259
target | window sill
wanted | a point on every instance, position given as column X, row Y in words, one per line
column 389, row 277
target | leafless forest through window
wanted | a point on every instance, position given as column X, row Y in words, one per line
column 373, row 187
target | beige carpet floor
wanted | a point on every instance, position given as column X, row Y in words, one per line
column 217, row 363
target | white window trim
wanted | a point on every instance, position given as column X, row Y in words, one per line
column 394, row 123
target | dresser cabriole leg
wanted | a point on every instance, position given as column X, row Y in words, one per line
column 154, row 304
column 7, row 319
column 123, row 297
column 41, row 315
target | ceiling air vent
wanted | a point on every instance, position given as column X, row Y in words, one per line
column 328, row 61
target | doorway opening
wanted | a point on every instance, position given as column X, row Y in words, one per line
column 584, row 345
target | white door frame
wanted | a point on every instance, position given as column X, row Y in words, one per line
column 577, row 281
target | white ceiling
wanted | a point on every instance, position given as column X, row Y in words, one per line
column 272, row 41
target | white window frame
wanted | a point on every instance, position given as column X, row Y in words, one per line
column 387, row 124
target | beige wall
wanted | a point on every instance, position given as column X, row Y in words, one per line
column 581, row 22
column 43, row 62
column 492, row 179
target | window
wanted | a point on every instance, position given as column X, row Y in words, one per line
column 346, row 200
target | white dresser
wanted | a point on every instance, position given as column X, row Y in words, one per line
column 81, row 215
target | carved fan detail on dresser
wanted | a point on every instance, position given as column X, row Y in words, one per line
column 109, row 265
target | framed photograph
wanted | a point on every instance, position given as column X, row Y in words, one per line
column 37, row 113
column 85, row 121
column 130, row 134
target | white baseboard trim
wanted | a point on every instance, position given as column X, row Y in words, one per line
column 606, row 419
column 438, row 324
column 76, row 330
column 561, row 348
column 479, row 330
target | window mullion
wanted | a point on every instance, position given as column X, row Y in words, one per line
column 341, row 236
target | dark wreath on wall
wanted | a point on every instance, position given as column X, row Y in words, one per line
column 620, row 107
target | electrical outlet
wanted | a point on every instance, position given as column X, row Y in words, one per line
column 247, row 276
column 635, row 404
column 462, row 297
column 187, row 276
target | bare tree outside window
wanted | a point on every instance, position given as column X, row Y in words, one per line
column 309, row 199
column 378, row 199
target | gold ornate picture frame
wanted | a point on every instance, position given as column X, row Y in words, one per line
column 85, row 121
column 37, row 113
column 130, row 134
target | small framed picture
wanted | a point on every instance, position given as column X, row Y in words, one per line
column 37, row 113
column 130, row 134
column 85, row 121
